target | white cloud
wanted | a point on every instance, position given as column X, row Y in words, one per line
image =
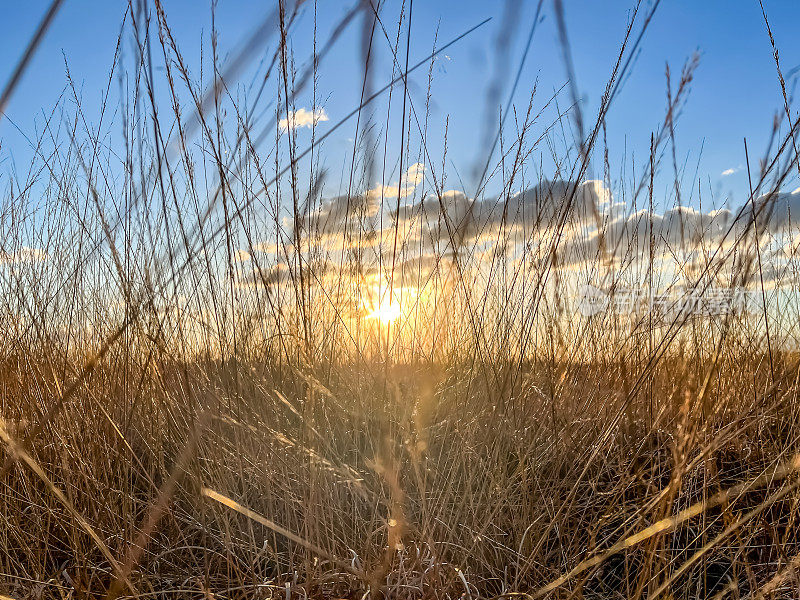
column 538, row 207
column 598, row 232
column 731, row 171
column 412, row 179
column 23, row 255
column 303, row 118
column 676, row 231
column 779, row 210
column 415, row 173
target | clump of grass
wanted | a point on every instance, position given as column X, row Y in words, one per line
column 221, row 380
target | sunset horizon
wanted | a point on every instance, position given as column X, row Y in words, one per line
column 399, row 300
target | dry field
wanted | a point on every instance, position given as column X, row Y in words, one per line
column 223, row 376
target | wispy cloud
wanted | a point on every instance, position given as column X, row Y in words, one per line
column 730, row 171
column 303, row 118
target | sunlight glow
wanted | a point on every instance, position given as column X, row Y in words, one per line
column 386, row 312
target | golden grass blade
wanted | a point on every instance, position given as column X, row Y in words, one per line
column 243, row 510
column 728, row 530
column 16, row 451
column 26, row 57
column 672, row 522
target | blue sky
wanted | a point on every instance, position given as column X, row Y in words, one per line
column 735, row 93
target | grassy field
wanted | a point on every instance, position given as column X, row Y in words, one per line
column 223, row 376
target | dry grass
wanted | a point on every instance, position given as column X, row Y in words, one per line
column 196, row 403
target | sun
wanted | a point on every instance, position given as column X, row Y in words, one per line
column 387, row 306
column 385, row 312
